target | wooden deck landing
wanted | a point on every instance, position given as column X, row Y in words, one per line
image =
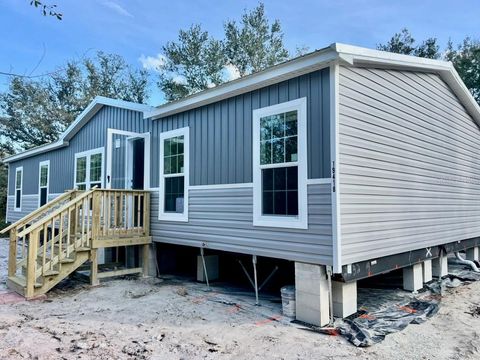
column 52, row 242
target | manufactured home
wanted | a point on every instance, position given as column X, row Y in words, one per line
column 347, row 162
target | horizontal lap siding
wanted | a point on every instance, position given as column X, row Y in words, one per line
column 29, row 204
column 409, row 164
column 221, row 133
column 223, row 219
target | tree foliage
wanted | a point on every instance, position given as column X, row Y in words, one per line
column 466, row 59
column 47, row 9
column 193, row 63
column 197, row 61
column 404, row 43
column 465, row 56
column 35, row 112
column 254, row 44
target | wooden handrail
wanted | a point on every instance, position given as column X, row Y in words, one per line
column 87, row 221
column 54, row 214
column 32, row 215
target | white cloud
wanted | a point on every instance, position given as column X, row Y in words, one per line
column 179, row 80
column 230, row 72
column 117, row 8
column 152, row 62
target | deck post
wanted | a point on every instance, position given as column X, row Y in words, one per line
column 93, row 267
column 146, row 214
column 12, row 254
column 31, row 264
column 145, row 259
column 97, row 207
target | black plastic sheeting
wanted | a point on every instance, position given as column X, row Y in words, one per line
column 371, row 327
column 366, row 328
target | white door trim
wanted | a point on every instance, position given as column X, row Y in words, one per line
column 130, row 134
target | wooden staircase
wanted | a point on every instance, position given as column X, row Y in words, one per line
column 52, row 242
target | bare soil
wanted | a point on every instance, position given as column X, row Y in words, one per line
column 172, row 318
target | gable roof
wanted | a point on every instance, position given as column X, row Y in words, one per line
column 345, row 54
column 342, row 53
column 78, row 123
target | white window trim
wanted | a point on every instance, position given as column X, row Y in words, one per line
column 88, row 155
column 15, row 208
column 296, row 222
column 167, row 216
column 43, row 163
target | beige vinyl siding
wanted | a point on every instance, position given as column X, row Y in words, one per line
column 409, row 164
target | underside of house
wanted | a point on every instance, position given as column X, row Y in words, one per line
column 347, row 162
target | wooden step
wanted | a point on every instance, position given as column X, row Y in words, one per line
column 67, row 261
column 22, row 282
column 51, row 273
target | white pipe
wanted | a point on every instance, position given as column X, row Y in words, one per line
column 254, row 260
column 330, row 294
column 466, row 262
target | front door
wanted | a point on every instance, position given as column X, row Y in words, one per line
column 128, row 159
column 136, row 163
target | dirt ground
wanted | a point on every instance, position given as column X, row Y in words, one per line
column 172, row 318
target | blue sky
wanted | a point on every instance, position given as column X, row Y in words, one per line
column 137, row 29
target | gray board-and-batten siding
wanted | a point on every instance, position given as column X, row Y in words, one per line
column 220, row 153
column 91, row 136
column 409, row 164
column 220, row 136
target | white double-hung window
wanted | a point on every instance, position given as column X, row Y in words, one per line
column 174, row 175
column 43, row 182
column 18, row 188
column 280, row 165
column 89, row 169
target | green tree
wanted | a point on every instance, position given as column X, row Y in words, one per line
column 465, row 57
column 193, row 63
column 254, row 44
column 34, row 112
column 197, row 61
column 404, row 43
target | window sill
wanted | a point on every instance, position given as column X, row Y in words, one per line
column 281, row 222
column 173, row 217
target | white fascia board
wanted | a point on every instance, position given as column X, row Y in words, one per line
column 358, row 56
column 94, row 107
column 290, row 69
column 81, row 120
column 452, row 78
column 36, row 150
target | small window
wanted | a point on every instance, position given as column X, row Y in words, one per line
column 81, row 173
column 174, row 175
column 89, row 169
column 96, row 170
column 279, row 147
column 18, row 188
column 43, row 181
